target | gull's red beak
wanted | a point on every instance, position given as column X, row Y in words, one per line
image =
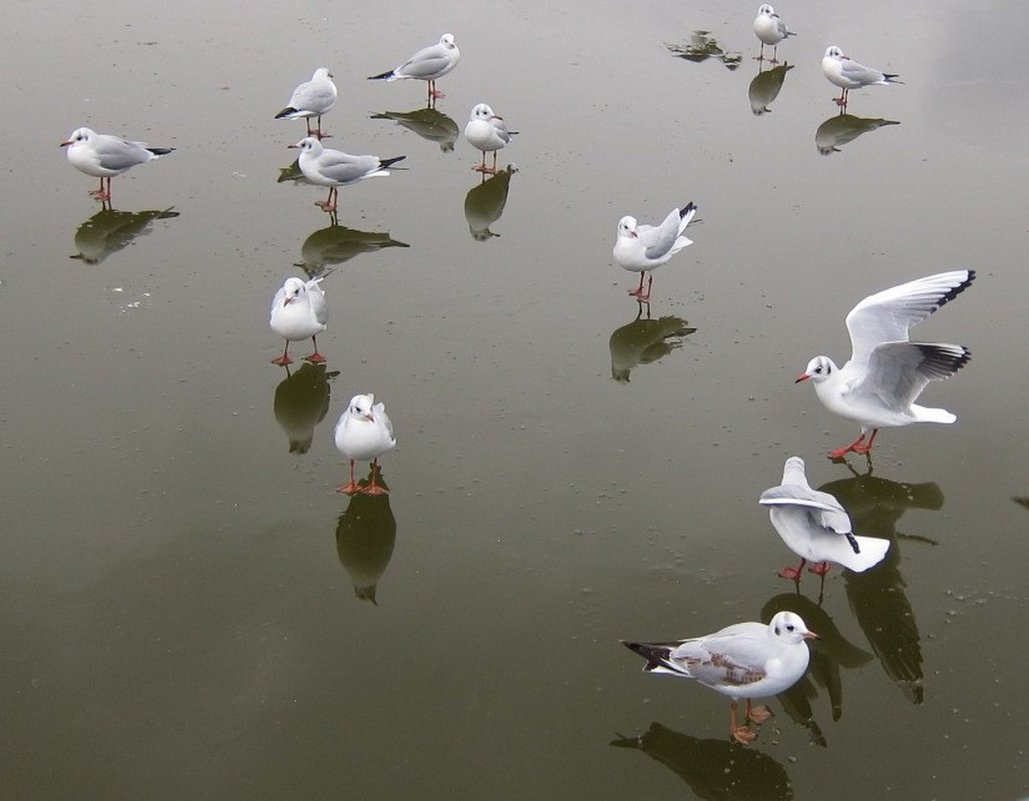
column 65, row 144
column 811, row 636
column 802, row 377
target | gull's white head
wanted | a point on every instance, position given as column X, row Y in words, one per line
column 308, row 145
column 292, row 290
column 834, row 52
column 789, row 628
column 321, row 73
column 361, row 407
column 627, row 226
column 447, row 40
column 818, row 369
column 766, row 10
column 78, row 137
column 482, row 112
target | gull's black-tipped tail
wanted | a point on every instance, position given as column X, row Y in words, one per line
column 689, row 208
column 286, row 112
column 382, row 77
column 161, row 151
column 654, row 654
column 383, row 163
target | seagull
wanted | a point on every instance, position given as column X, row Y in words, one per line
column 334, row 168
column 104, row 156
column 816, row 527
column 312, row 99
column 364, row 432
column 428, row 64
column 486, row 131
column 745, row 660
column 886, row 373
column 640, row 248
column 299, row 311
column 771, row 30
column 848, row 74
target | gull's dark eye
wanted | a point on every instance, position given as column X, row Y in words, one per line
column 790, row 627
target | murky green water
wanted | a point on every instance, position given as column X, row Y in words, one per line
column 191, row 611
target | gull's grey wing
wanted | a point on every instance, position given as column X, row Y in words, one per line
column 889, row 315
column 859, row 73
column 425, row 63
column 658, row 240
column 822, row 509
column 899, row 371
column 339, row 166
column 119, row 154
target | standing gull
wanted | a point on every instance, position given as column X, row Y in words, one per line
column 334, row 168
column 771, row 30
column 640, row 247
column 886, row 373
column 364, row 432
column 299, row 311
column 428, row 64
column 746, row 660
column 816, row 527
column 486, row 131
column 104, row 156
column 847, row 74
column 312, row 99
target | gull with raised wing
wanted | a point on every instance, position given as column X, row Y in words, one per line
column 746, row 660
column 428, row 64
column 299, row 311
column 770, row 30
column 334, row 168
column 816, row 527
column 640, row 247
column 878, row 386
column 486, row 131
column 847, row 74
column 364, row 432
column 312, row 99
column 103, row 156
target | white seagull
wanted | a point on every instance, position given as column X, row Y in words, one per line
column 428, row 64
column 104, row 156
column 486, row 131
column 640, row 247
column 312, row 99
column 886, row 373
column 771, row 30
column 816, row 527
column 745, row 660
column 364, row 432
column 847, row 74
column 334, row 168
column 299, row 311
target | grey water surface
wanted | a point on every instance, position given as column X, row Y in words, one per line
column 188, row 608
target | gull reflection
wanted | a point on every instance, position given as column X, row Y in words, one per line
column 702, row 46
column 832, row 652
column 336, row 244
column 428, row 123
column 301, row 403
column 108, row 231
column 717, row 770
column 765, row 87
column 1022, row 501
column 877, row 597
column 644, row 340
column 365, row 535
column 292, row 174
column 485, row 202
column 841, row 129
